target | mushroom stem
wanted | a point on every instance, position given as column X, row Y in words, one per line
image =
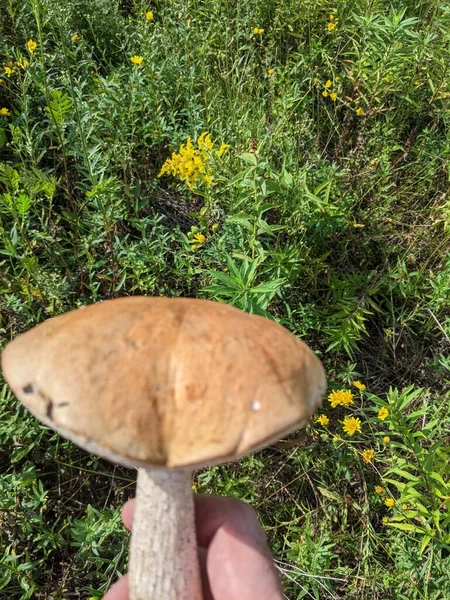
column 163, row 556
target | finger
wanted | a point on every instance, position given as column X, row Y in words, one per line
column 128, row 513
column 238, row 557
column 119, row 591
column 239, row 562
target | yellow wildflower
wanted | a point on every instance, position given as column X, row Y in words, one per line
column 352, row 425
column 1, row 80
column 200, row 238
column 359, row 111
column 323, row 420
column 8, row 71
column 4, row 112
column 191, row 162
column 386, row 439
column 328, row 83
column 149, row 15
column 31, row 45
column 383, row 413
column 269, row 72
column 333, row 96
column 258, row 31
column 385, row 519
column 337, row 78
column 331, row 17
column 336, row 397
column 379, row 489
column 331, row 25
column 390, row 502
column 325, row 93
column 74, row 37
column 204, row 142
column 357, row 383
column 137, row 60
column 223, row 148
column 404, row 507
column 368, row 456
column 194, row 247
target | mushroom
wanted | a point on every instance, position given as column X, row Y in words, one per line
column 165, row 386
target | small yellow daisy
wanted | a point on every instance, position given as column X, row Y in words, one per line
column 352, row 425
column 31, row 45
column 323, row 420
column 200, row 238
column 137, row 60
column 360, row 386
column 383, row 413
column 368, row 456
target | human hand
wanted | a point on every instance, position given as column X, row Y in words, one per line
column 235, row 560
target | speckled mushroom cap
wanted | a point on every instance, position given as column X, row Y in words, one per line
column 165, row 382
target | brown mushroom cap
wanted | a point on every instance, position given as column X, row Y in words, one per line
column 165, row 382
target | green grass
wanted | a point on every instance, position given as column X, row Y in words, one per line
column 328, row 214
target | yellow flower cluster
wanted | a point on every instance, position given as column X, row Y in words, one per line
column 74, row 37
column 332, row 23
column 4, row 112
column 149, row 16
column 191, row 164
column 258, row 30
column 337, row 397
column 22, row 63
column 326, row 92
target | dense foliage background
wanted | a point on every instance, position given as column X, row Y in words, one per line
column 329, row 212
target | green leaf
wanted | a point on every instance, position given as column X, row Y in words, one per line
column 243, row 220
column 249, row 158
column 406, row 527
column 23, row 204
column 424, row 543
column 269, row 287
column 3, row 138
